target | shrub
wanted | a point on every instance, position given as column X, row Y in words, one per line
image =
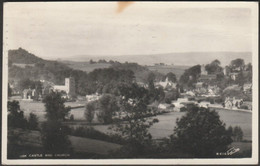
column 90, row 132
column 33, row 122
column 71, row 117
column 183, row 109
column 244, row 107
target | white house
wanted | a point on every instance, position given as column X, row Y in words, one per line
column 190, row 93
column 204, row 104
column 166, row 84
column 93, row 97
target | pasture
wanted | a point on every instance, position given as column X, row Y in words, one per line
column 166, row 124
column 86, row 66
column 177, row 70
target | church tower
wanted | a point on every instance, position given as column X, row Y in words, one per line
column 70, row 86
column 203, row 70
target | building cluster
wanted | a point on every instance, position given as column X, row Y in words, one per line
column 202, row 89
column 67, row 90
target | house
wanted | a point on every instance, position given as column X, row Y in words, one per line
column 204, row 104
column 166, row 84
column 27, row 94
column 213, row 90
column 31, row 94
column 233, row 87
column 204, row 76
column 200, row 87
column 233, row 102
column 182, row 102
column 164, row 106
column 247, row 88
column 141, row 84
column 190, row 93
column 233, row 76
column 93, row 97
column 208, row 77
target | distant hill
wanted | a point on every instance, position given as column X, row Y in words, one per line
column 182, row 58
column 21, row 56
column 23, row 64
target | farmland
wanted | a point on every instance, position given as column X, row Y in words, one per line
column 166, row 124
column 86, row 66
column 177, row 70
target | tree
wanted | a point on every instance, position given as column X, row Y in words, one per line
column 237, row 134
column 55, row 108
column 200, row 133
column 91, row 61
column 150, row 80
column 54, row 134
column 214, row 67
column 33, row 122
column 16, row 117
column 237, row 63
column 90, row 110
column 55, row 137
column 190, row 76
column 135, row 127
column 171, row 95
column 171, row 77
column 107, row 105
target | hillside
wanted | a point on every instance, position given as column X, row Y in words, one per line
column 22, row 56
column 23, row 64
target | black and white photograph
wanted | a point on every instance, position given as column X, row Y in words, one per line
column 130, row 82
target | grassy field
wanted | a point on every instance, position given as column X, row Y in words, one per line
column 86, row 66
column 79, row 144
column 167, row 122
column 177, row 70
column 159, row 130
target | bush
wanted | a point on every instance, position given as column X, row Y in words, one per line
column 71, row 117
column 16, row 117
column 90, row 132
column 183, row 109
column 90, row 110
column 244, row 107
column 33, row 122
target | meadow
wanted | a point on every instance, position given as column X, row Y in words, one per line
column 166, row 124
column 177, row 70
column 86, row 66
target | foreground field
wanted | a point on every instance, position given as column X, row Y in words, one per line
column 166, row 124
column 79, row 144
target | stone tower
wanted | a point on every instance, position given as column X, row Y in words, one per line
column 203, row 70
column 70, row 86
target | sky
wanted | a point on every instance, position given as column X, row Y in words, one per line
column 71, row 30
